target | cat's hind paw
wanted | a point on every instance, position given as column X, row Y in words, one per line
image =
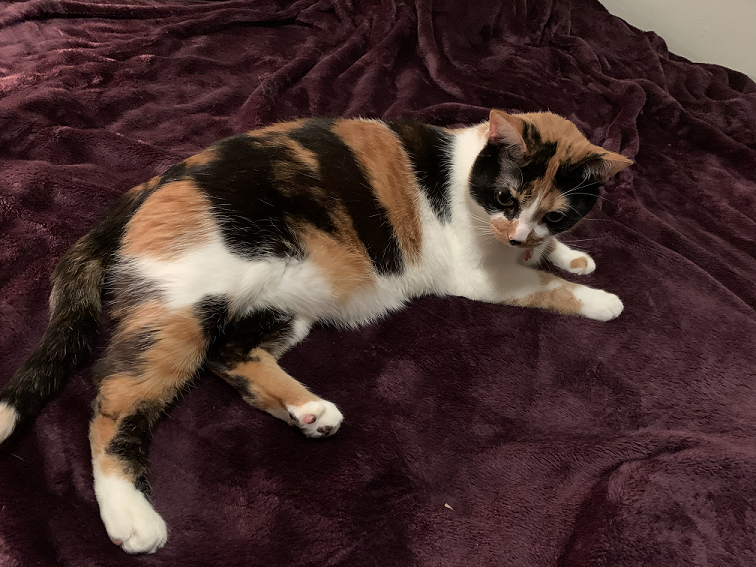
column 318, row 418
column 129, row 519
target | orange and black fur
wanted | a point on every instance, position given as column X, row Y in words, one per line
column 228, row 258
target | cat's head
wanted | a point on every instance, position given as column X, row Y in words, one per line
column 537, row 176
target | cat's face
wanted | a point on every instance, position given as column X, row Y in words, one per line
column 537, row 176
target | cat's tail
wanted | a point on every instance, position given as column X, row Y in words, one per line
column 75, row 308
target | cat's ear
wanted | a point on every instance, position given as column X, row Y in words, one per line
column 506, row 130
column 607, row 165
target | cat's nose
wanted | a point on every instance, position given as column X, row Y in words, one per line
column 515, row 242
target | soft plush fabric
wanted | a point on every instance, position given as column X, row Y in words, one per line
column 475, row 435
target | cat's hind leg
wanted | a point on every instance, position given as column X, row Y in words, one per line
column 154, row 353
column 247, row 359
column 570, row 260
column 263, row 384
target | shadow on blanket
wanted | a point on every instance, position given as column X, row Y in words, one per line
column 474, row 434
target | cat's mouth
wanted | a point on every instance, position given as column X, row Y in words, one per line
column 502, row 230
column 527, row 245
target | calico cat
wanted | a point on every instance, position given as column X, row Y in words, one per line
column 228, row 258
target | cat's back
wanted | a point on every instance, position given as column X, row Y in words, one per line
column 333, row 200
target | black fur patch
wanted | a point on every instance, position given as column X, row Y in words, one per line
column 483, row 176
column 124, row 290
column 124, row 354
column 239, row 383
column 174, row 173
column 251, row 206
column 343, row 179
column 581, row 189
column 212, row 312
column 428, row 149
column 268, row 329
column 538, row 156
column 131, row 442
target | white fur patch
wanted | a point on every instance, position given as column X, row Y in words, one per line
column 8, row 420
column 212, row 269
column 129, row 518
column 526, row 223
column 328, row 418
column 598, row 304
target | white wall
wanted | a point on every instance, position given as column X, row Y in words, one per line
column 705, row 31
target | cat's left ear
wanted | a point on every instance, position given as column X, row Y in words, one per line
column 506, row 130
column 608, row 165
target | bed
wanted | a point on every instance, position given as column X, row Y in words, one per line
column 475, row 435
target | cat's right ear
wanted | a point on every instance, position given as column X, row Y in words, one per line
column 506, row 130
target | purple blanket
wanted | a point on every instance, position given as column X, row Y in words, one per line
column 475, row 435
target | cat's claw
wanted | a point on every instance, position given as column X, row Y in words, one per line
column 318, row 418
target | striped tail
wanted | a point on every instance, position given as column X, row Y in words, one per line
column 70, row 336
column 76, row 306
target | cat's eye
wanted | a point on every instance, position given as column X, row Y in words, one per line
column 504, row 199
column 553, row 216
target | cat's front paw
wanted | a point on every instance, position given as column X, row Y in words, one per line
column 582, row 264
column 318, row 418
column 598, row 304
column 571, row 260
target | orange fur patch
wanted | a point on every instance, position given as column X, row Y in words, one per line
column 206, row 156
column 278, row 127
column 303, row 155
column 101, row 433
column 304, row 162
column 165, row 366
column 559, row 298
column 271, row 387
column 173, row 219
column 579, row 264
column 345, row 266
column 391, row 176
column 142, row 187
column 502, row 228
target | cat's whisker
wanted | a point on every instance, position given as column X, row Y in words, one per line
column 591, row 195
column 586, row 176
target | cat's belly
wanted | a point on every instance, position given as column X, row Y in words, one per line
column 295, row 286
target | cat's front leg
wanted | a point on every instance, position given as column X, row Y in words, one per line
column 525, row 287
column 570, row 260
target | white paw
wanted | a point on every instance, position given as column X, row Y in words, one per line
column 598, row 304
column 317, row 418
column 129, row 518
column 582, row 264
column 8, row 420
column 571, row 260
